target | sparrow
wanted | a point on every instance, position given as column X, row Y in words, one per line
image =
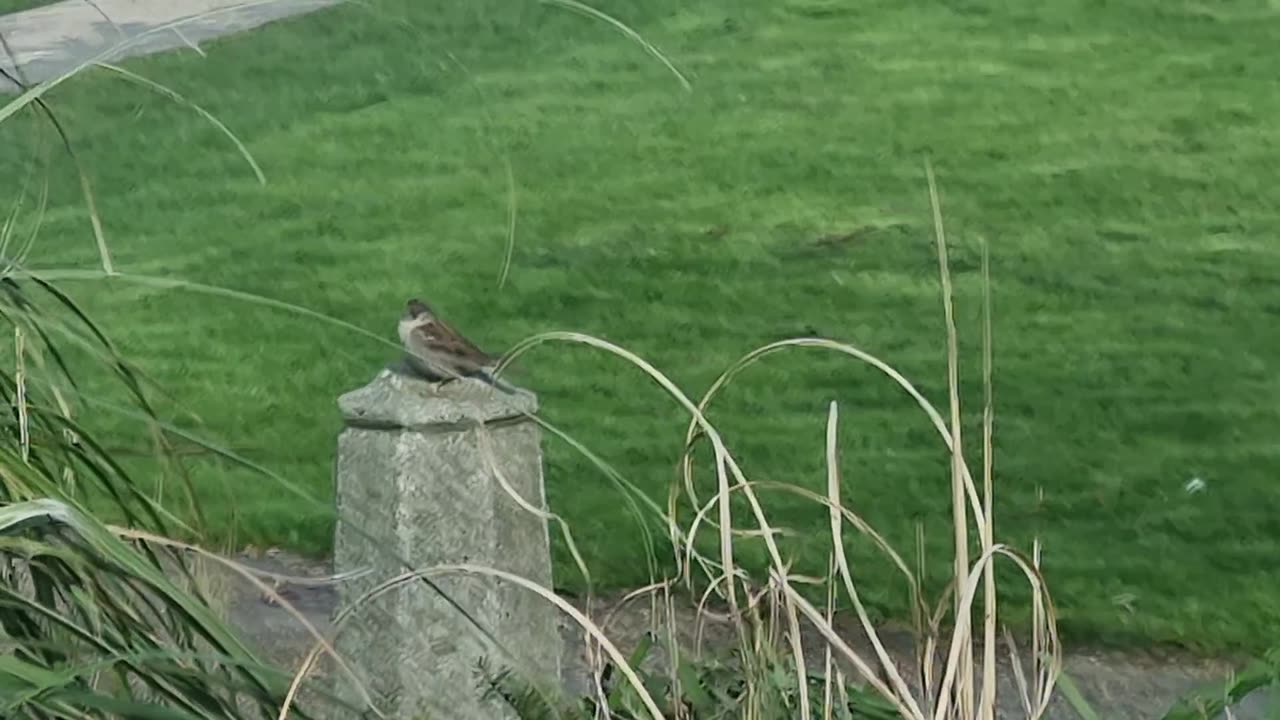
column 439, row 353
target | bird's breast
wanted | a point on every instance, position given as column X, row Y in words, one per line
column 404, row 328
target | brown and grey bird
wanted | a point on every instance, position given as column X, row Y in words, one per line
column 438, row 352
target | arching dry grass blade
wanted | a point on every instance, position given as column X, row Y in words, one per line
column 182, row 100
column 591, row 12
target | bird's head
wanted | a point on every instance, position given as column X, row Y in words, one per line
column 415, row 309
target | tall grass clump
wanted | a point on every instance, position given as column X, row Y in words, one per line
column 97, row 619
column 770, row 671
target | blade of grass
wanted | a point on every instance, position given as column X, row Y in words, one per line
column 959, row 519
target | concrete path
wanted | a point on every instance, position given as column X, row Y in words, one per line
column 47, row 41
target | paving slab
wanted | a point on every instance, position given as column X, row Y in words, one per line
column 44, row 42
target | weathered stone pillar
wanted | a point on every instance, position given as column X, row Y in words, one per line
column 413, row 481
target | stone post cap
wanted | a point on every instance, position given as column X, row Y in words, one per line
column 398, row 400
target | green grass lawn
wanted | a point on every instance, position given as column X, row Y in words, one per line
column 12, row 6
column 1119, row 158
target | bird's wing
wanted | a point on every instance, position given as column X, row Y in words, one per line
column 448, row 340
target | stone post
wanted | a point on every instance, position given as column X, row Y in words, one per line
column 413, row 482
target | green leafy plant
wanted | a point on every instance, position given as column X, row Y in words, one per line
column 98, row 620
column 699, row 688
column 1212, row 700
column 101, row 624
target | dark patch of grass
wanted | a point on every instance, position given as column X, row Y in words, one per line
column 1118, row 158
